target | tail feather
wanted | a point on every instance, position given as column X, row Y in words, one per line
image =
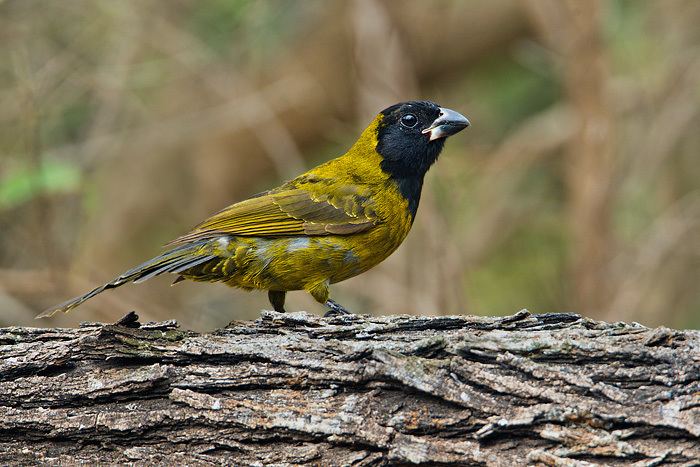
column 173, row 261
column 176, row 267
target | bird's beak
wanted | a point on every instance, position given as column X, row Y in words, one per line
column 448, row 123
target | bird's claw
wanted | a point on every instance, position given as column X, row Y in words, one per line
column 335, row 309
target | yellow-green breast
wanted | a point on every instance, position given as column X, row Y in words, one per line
column 295, row 263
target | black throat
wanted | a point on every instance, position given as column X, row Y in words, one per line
column 407, row 162
column 410, row 188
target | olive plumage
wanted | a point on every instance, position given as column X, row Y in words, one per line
column 329, row 224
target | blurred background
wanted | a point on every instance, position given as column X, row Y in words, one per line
column 577, row 188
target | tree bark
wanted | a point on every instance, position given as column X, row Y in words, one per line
column 551, row 389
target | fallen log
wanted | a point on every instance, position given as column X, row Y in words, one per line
column 550, row 389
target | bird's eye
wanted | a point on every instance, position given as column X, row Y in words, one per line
column 409, row 120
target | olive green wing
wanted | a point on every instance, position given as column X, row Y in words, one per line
column 292, row 211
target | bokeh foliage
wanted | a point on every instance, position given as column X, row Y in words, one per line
column 125, row 123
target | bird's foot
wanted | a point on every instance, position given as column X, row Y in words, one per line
column 277, row 300
column 336, row 309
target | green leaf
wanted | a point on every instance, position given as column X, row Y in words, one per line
column 25, row 183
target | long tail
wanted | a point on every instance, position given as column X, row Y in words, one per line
column 176, row 260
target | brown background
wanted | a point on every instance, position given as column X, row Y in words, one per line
column 122, row 124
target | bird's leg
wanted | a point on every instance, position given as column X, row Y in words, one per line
column 276, row 298
column 321, row 294
column 335, row 309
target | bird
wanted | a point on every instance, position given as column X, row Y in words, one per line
column 327, row 225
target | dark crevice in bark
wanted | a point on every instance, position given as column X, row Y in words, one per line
column 295, row 388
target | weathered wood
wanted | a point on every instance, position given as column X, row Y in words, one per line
column 553, row 389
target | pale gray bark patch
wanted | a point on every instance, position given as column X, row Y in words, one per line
column 553, row 389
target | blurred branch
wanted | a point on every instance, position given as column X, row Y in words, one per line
column 27, row 282
column 448, row 36
column 573, row 29
column 672, row 117
column 40, row 204
column 273, row 134
column 641, row 268
column 385, row 74
column 172, row 131
column 110, row 85
column 501, row 209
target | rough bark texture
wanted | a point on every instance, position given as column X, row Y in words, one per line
column 553, row 389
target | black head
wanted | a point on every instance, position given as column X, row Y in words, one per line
column 410, row 138
column 412, row 134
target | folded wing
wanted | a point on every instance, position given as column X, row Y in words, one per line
column 292, row 211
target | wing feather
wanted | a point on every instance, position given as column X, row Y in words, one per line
column 291, row 212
